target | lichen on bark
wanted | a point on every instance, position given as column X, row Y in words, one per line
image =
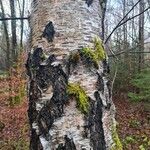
column 117, row 145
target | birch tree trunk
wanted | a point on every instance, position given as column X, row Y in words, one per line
column 70, row 106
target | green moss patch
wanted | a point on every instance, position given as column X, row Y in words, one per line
column 78, row 92
column 95, row 54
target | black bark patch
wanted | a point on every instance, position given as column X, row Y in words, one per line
column 34, row 94
column 33, row 62
column 45, row 120
column 89, row 2
column 37, row 57
column 95, row 124
column 35, row 141
column 50, row 59
column 69, row 145
column 49, row 32
column 42, row 75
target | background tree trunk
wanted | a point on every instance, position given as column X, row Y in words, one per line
column 141, row 35
column 13, row 31
column 6, row 36
column 59, row 30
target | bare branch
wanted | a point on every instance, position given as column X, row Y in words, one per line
column 122, row 52
column 121, row 21
column 17, row 18
column 130, row 18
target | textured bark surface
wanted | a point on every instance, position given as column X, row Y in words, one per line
column 58, row 28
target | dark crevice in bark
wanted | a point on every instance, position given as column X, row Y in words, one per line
column 100, row 143
column 69, row 144
column 89, row 2
column 100, row 83
column 109, row 86
column 106, row 66
column 95, row 124
column 49, row 32
column 35, row 142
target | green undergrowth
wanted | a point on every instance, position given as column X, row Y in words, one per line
column 18, row 98
column 143, row 141
column 95, row 54
column 141, row 82
column 117, row 145
column 20, row 144
column 82, row 99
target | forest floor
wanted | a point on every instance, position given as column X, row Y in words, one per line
column 14, row 128
column 133, row 123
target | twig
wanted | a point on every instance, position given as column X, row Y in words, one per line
column 114, row 78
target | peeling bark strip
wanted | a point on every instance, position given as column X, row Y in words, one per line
column 57, row 119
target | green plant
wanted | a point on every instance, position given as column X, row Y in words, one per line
column 141, row 83
column 3, row 74
column 17, row 99
column 129, row 140
column 20, row 144
column 80, row 95
column 141, row 147
column 136, row 139
column 145, row 143
column 2, row 126
column 134, row 123
column 123, row 76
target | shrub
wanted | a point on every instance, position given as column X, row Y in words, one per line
column 141, row 84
